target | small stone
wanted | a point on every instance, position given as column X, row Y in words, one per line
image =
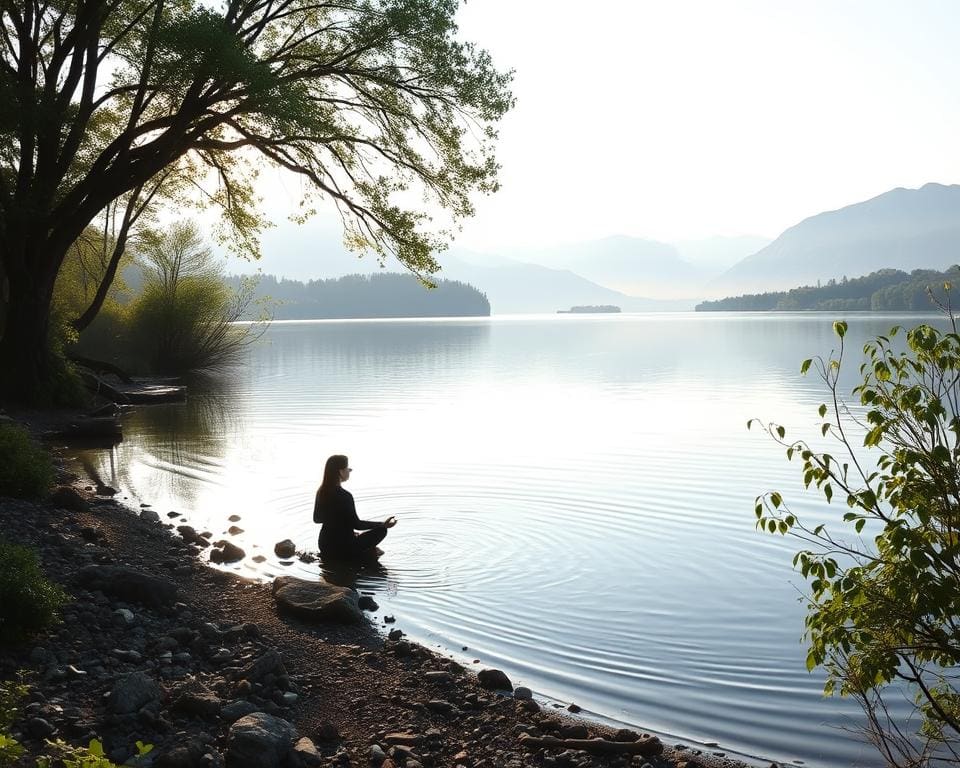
column 574, row 708
column 306, row 750
column 125, row 615
column 377, row 755
column 437, row 676
column 149, row 515
column 234, row 530
column 494, row 680
column 234, row 518
column 394, row 634
column 367, row 603
column 522, row 692
column 289, row 699
column 285, row 549
column 389, row 619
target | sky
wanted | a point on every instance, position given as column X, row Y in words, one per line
column 693, row 118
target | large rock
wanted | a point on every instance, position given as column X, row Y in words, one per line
column 128, row 584
column 260, row 741
column 317, row 600
column 132, row 692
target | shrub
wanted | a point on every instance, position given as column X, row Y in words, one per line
column 884, row 606
column 25, row 468
column 29, row 602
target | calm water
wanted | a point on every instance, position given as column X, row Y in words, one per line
column 575, row 497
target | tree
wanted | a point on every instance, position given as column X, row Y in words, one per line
column 375, row 103
column 183, row 320
column 884, row 604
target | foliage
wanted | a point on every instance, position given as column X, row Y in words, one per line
column 29, row 602
column 182, row 321
column 11, row 694
column 25, row 468
column 376, row 105
column 881, row 291
column 884, row 604
column 379, row 295
column 90, row 756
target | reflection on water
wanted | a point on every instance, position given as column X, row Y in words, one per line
column 362, row 576
column 574, row 497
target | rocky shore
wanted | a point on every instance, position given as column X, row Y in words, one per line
column 157, row 647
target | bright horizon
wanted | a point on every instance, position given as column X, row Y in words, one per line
column 695, row 119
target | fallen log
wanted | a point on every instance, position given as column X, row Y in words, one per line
column 101, row 366
column 647, row 746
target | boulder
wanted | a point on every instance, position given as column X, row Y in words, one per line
column 132, row 692
column 494, row 680
column 260, row 741
column 285, row 549
column 317, row 600
column 128, row 585
column 149, row 515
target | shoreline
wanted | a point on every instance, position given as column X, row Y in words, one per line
column 220, row 624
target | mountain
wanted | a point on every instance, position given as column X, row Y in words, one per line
column 632, row 265
column 903, row 229
column 518, row 287
column 717, row 254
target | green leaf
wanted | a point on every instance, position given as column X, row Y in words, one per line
column 828, row 492
column 840, row 328
column 776, row 500
column 805, row 366
column 781, row 431
column 859, row 524
column 96, row 748
column 822, row 410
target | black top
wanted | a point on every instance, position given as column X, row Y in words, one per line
column 338, row 514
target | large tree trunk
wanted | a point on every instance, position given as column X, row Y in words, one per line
column 24, row 345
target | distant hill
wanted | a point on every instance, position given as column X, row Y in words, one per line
column 632, row 265
column 901, row 229
column 518, row 287
column 715, row 255
column 380, row 295
column 885, row 290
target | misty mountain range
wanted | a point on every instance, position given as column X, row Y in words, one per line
column 903, row 229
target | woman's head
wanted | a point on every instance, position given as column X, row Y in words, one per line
column 335, row 471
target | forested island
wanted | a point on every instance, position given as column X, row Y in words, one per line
column 589, row 309
column 355, row 296
column 886, row 290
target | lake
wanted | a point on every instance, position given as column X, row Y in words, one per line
column 574, row 493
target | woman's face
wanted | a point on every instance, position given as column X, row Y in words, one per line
column 345, row 474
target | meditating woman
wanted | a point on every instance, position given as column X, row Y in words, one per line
column 335, row 510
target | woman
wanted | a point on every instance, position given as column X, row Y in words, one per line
column 334, row 508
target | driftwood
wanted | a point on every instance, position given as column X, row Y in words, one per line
column 101, row 366
column 647, row 746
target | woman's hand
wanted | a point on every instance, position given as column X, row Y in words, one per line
column 390, row 522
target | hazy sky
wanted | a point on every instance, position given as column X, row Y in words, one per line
column 691, row 118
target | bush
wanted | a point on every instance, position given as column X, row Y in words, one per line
column 883, row 614
column 25, row 468
column 29, row 602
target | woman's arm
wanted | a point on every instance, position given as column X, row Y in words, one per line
column 356, row 522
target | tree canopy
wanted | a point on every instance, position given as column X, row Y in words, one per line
column 376, row 104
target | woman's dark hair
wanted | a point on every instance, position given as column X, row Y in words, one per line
column 331, row 475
